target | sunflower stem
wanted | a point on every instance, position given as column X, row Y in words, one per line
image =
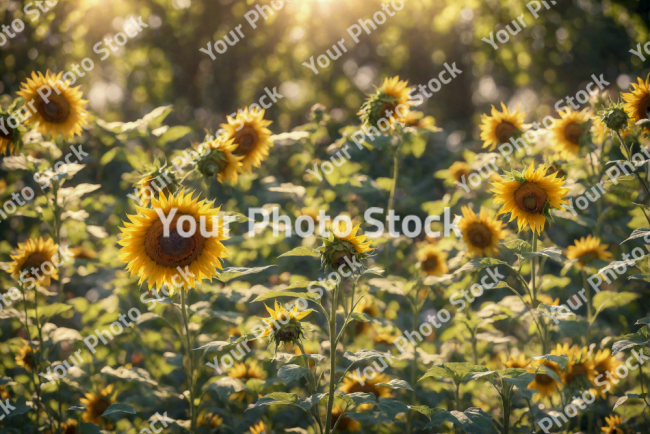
column 391, row 197
column 533, row 264
column 416, row 311
column 313, row 387
column 628, row 152
column 190, row 370
column 589, row 302
column 332, row 332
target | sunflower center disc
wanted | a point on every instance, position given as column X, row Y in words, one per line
column 543, row 379
column 504, row 131
column 387, row 110
column 458, row 175
column 479, row 235
column 246, row 139
column 56, row 110
column 644, row 105
column 8, row 136
column 430, row 263
column 34, row 260
column 573, row 133
column 531, row 197
column 175, row 250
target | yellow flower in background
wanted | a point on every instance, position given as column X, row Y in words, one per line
column 7, row 141
column 501, row 126
column 529, row 196
column 209, row 418
column 367, row 385
column 612, row 422
column 389, row 102
column 284, row 326
column 63, row 113
column 604, row 362
column 309, row 212
column 368, row 306
column 481, row 233
column 252, row 139
column 588, row 250
column 259, row 428
column 545, row 384
column 158, row 259
column 520, row 362
column 432, row 261
column 25, row 357
column 343, row 243
column 567, row 132
column 221, row 162
column 579, row 372
column 32, row 258
column 97, row 403
column 417, row 119
column 638, row 101
column 244, row 372
column 346, row 423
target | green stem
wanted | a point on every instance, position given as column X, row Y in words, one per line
column 628, row 151
column 533, row 264
column 313, row 388
column 589, row 301
column 391, row 197
column 190, row 370
column 409, row 420
column 333, row 343
column 505, row 399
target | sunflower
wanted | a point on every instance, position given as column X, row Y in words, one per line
column 309, row 212
column 520, row 362
column 31, row 259
column 367, row 386
column 432, row 261
column 245, row 372
column 209, row 418
column 25, row 357
column 67, row 427
column 587, row 250
column 580, row 372
column 221, row 162
column 252, row 139
column 97, row 403
column 568, row 131
column 545, row 384
column 482, row 233
column 7, row 141
column 529, row 196
column 154, row 181
column 501, row 126
column 387, row 338
column 369, row 307
column 612, row 422
column 417, row 119
column 159, row 259
column 284, row 326
column 389, row 102
column 346, row 423
column 259, row 428
column 604, row 362
column 638, row 101
column 63, row 113
column 343, row 243
column 4, row 392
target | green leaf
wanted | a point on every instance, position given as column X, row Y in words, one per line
column 135, row 374
column 173, row 134
column 119, row 408
column 273, row 294
column 397, row 384
column 517, row 376
column 289, row 399
column 640, row 338
column 302, row 251
column 234, row 272
column 45, row 313
column 392, row 407
column 473, row 420
column 479, row 264
column 455, row 371
column 605, row 299
column 561, row 359
column 365, row 355
column 226, row 386
column 550, row 252
column 89, row 428
column 638, row 233
column 289, row 373
column 518, row 246
column 358, row 398
column 375, row 270
column 642, row 321
column 360, row 316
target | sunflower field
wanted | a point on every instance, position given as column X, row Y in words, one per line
column 320, row 216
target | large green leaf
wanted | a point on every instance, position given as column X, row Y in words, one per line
column 456, row 371
column 550, row 252
column 392, row 407
column 289, row 399
column 289, row 373
column 473, row 420
column 302, row 251
column 47, row 312
column 640, row 338
column 365, row 355
column 119, row 408
column 397, row 384
column 173, row 134
column 560, row 359
column 234, row 272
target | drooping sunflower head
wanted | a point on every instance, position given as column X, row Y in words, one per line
column 387, row 106
column 284, row 325
column 220, row 161
column 206, row 417
column 547, row 378
column 367, row 385
column 343, row 246
column 637, row 101
column 182, row 257
column 587, row 250
column 346, row 424
column 481, row 233
column 62, row 112
column 9, row 141
column 259, row 428
column 500, row 127
column 520, row 362
column 529, row 196
column 97, row 403
column 34, row 259
column 615, row 117
column 433, row 262
column 155, row 180
column 250, row 136
column 580, row 372
column 570, row 132
column 613, row 423
column 25, row 357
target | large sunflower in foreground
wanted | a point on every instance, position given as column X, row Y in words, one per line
column 612, row 422
column 587, row 250
column 568, row 131
column 251, row 138
column 367, row 385
column 221, row 162
column 344, row 243
column 481, row 233
column 97, row 403
column 29, row 259
column 159, row 259
column 529, row 196
column 579, row 372
column 501, row 126
column 63, row 113
column 638, row 100
column 433, row 262
column 25, row 357
column 284, row 325
column 389, row 102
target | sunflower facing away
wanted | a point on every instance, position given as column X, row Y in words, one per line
column 433, row 262
column 159, row 259
column 389, row 102
column 367, row 386
column 568, row 131
column 481, row 233
column 501, row 126
column 97, row 403
column 63, row 113
column 638, row 100
column 612, row 422
column 284, row 326
column 252, row 140
column 342, row 243
column 155, row 180
column 221, row 162
column 259, row 428
column 29, row 258
column 529, row 196
column 25, row 357
column 588, row 250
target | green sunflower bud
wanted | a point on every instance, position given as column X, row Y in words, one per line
column 213, row 163
column 614, row 117
column 377, row 107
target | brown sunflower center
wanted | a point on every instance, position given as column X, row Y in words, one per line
column 387, row 110
column 33, row 260
column 543, row 379
column 100, row 406
column 9, row 136
column 504, row 131
column 430, row 263
column 175, row 250
column 588, row 257
column 285, row 335
column 56, row 111
column 479, row 235
column 246, row 139
column 576, row 371
column 531, row 197
column 573, row 132
column 644, row 105
column 458, row 175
